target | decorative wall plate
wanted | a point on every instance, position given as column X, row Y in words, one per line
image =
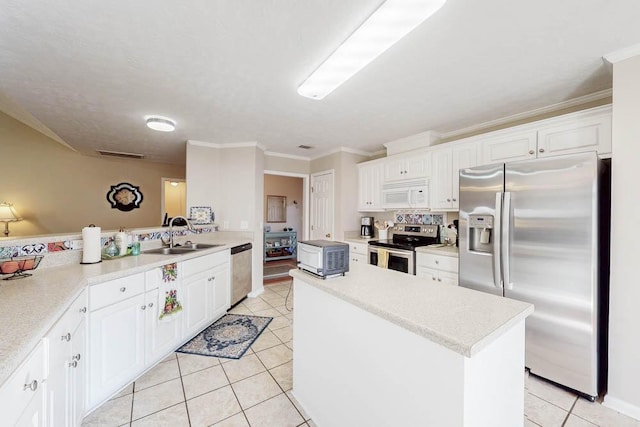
column 201, row 214
column 124, row 197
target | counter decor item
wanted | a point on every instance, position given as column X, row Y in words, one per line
column 91, row 245
column 18, row 266
column 382, row 228
column 124, row 197
column 201, row 214
column 8, row 214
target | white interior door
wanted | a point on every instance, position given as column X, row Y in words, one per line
column 322, row 206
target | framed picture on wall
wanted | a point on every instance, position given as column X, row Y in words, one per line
column 276, row 209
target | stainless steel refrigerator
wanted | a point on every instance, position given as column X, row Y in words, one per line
column 529, row 231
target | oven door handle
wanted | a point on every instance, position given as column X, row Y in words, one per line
column 405, row 254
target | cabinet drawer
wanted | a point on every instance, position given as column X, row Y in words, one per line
column 107, row 293
column 21, row 387
column 439, row 262
column 358, row 248
column 62, row 332
column 203, row 263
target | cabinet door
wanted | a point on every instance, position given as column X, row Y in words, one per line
column 359, row 258
column 197, row 302
column 427, row 273
column 116, row 347
column 395, row 169
column 370, row 187
column 59, row 344
column 448, row 278
column 77, row 369
column 441, row 191
column 576, row 136
column 221, row 287
column 464, row 156
column 161, row 337
column 509, row 148
column 417, row 166
column 34, row 413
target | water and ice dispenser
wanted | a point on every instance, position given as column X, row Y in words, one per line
column 481, row 233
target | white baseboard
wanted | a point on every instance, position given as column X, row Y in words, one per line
column 621, row 406
column 256, row 293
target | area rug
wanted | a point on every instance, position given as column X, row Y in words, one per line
column 276, row 271
column 229, row 337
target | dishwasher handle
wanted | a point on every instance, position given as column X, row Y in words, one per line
column 241, row 248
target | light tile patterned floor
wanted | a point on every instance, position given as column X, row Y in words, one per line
column 255, row 391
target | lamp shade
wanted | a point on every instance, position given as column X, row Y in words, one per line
column 8, row 213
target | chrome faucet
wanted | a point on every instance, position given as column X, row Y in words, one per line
column 189, row 227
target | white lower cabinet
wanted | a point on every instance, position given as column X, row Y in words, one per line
column 161, row 338
column 66, row 378
column 438, row 268
column 221, row 291
column 116, row 347
column 198, row 298
column 23, row 396
column 358, row 252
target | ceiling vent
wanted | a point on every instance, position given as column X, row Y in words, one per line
column 121, row 154
column 305, row 147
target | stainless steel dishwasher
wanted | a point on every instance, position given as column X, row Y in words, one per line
column 241, row 261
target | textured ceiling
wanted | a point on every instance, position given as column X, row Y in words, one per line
column 227, row 71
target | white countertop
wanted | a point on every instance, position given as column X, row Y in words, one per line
column 438, row 250
column 31, row 306
column 460, row 319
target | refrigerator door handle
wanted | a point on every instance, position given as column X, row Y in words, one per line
column 497, row 242
column 506, row 231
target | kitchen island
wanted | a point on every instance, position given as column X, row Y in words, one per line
column 383, row 348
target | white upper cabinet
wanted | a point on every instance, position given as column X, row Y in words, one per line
column 446, row 164
column 509, row 148
column 370, row 187
column 588, row 130
column 576, row 135
column 417, row 165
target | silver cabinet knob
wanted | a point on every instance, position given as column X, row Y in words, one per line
column 455, row 200
column 448, row 200
column 76, row 357
column 433, row 278
column 541, row 150
column 33, row 386
column 150, row 305
column 122, row 289
column 66, row 337
column 439, row 279
column 144, row 307
column 73, row 364
column 437, row 262
column 211, row 279
column 531, row 151
column 83, row 310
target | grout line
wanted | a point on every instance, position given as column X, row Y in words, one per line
column 133, row 398
column 184, row 393
column 235, row 395
column 566, row 419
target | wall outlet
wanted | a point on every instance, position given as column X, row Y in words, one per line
column 244, row 225
column 225, row 224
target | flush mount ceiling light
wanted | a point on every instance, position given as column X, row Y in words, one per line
column 161, row 124
column 393, row 20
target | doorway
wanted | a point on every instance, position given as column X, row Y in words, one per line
column 173, row 198
column 285, row 222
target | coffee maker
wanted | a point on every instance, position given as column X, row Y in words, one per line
column 366, row 227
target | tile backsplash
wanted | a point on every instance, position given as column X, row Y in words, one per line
column 418, row 218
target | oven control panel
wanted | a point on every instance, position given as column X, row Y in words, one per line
column 422, row 230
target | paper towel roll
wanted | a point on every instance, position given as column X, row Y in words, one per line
column 91, row 244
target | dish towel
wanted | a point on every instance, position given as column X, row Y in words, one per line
column 383, row 258
column 168, row 293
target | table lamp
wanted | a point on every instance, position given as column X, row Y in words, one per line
column 8, row 214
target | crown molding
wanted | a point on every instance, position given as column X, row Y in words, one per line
column 529, row 114
column 622, row 54
column 286, row 156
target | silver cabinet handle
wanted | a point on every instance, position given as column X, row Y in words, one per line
column 541, row 150
column 73, row 364
column 531, row 151
column 455, row 200
column 150, row 305
column 144, row 307
column 66, row 337
column 83, row 310
column 33, row 386
column 211, row 279
column 122, row 289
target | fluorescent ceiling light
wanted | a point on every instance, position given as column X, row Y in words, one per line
column 161, row 124
column 388, row 24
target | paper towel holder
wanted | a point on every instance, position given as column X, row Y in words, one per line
column 95, row 262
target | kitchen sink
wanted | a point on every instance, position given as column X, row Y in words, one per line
column 170, row 251
column 182, row 249
column 196, row 246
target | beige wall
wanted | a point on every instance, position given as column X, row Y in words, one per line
column 57, row 190
column 624, row 324
column 291, row 188
column 285, row 164
column 175, row 198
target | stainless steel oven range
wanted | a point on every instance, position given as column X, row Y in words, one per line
column 401, row 247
